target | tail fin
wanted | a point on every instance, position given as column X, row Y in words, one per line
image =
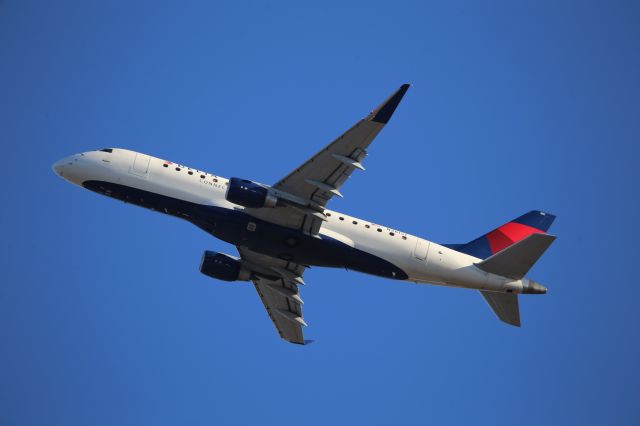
column 534, row 222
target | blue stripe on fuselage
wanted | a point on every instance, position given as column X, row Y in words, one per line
column 231, row 226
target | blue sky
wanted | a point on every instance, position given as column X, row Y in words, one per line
column 104, row 317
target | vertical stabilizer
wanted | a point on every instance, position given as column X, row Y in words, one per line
column 533, row 222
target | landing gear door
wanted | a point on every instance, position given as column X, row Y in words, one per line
column 140, row 165
column 421, row 249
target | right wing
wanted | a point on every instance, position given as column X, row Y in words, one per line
column 320, row 178
column 276, row 282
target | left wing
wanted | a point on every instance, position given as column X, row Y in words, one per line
column 276, row 282
column 320, row 178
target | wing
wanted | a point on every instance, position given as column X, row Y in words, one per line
column 321, row 177
column 276, row 282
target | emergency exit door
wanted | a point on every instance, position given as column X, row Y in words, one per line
column 421, row 249
column 140, row 165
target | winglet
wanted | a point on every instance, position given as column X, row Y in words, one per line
column 383, row 113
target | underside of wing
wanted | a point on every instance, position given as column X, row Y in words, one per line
column 276, row 282
column 321, row 177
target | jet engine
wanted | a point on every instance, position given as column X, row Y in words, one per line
column 223, row 267
column 249, row 194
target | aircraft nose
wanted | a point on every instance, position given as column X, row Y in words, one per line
column 58, row 167
column 71, row 169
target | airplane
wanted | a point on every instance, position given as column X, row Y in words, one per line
column 281, row 230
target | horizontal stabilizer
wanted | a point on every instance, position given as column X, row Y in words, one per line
column 516, row 260
column 505, row 306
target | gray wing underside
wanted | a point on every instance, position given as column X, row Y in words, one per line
column 334, row 163
column 320, row 178
column 276, row 282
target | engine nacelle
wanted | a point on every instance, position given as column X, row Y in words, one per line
column 223, row 267
column 249, row 194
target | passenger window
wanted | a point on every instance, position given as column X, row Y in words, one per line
column 379, row 230
column 341, row 218
column 329, row 214
column 392, row 234
column 190, row 172
column 367, row 226
column 177, row 169
column 215, row 180
column 404, row 237
column 202, row 176
column 165, row 165
column 354, row 222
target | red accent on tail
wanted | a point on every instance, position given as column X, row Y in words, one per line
column 508, row 234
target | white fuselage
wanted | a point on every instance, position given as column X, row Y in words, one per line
column 423, row 261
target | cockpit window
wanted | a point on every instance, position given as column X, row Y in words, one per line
column 109, row 150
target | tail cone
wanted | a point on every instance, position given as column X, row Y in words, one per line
column 534, row 288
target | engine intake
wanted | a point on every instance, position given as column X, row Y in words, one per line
column 249, row 194
column 223, row 267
